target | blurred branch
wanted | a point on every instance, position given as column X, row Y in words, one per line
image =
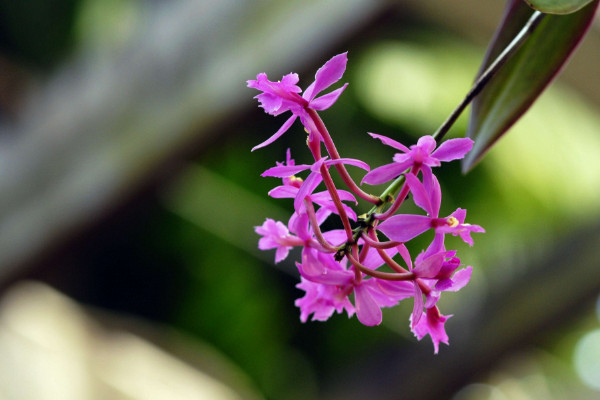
column 100, row 128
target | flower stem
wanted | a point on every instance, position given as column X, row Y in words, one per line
column 485, row 77
column 388, row 276
column 310, row 210
column 333, row 153
column 377, row 244
column 336, row 200
column 400, row 199
column 477, row 87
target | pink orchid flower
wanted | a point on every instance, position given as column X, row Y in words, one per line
column 279, row 97
column 427, row 195
column 432, row 324
column 308, row 186
column 275, row 235
column 421, row 155
column 370, row 294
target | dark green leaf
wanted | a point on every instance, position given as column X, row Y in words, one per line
column 525, row 76
column 558, row 6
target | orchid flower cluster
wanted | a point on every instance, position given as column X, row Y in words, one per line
column 365, row 265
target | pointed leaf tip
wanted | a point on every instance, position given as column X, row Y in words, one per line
column 558, row 6
column 520, row 81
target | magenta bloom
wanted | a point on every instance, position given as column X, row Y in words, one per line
column 322, row 300
column 432, row 324
column 370, row 294
column 338, row 267
column 307, row 187
column 420, row 154
column 428, row 196
column 279, row 97
column 275, row 235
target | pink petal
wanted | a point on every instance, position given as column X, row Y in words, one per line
column 322, row 215
column 432, row 325
column 404, row 227
column 418, row 308
column 430, row 266
column 321, row 301
column 322, row 268
column 289, row 81
column 426, row 143
column 270, row 103
column 346, row 196
column 316, row 167
column 453, row 149
column 460, row 214
column 399, row 290
column 432, row 186
column 308, row 186
column 420, row 195
column 373, row 260
column 384, row 174
column 390, row 142
column 281, row 253
column 327, row 75
column 283, row 192
column 403, row 158
column 286, row 125
column 403, row 251
column 437, row 245
column 326, row 101
column 367, row 310
column 349, row 161
column 336, row 236
column 432, row 298
column 285, row 171
column 460, row 279
column 381, row 299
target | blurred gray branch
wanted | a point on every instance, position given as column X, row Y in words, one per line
column 98, row 129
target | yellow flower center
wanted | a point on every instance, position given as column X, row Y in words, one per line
column 295, row 179
column 452, row 222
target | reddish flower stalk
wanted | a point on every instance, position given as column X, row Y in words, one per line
column 333, row 153
column 310, row 210
column 398, row 200
column 388, row 276
column 390, row 261
column 377, row 244
column 336, row 200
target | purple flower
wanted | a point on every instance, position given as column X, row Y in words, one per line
column 435, row 272
column 275, row 235
column 427, row 265
column 307, row 187
column 282, row 96
column 446, row 279
column 370, row 295
column 420, row 155
column 432, row 324
column 322, row 300
column 457, row 227
column 428, row 196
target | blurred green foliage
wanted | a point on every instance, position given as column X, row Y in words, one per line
column 37, row 32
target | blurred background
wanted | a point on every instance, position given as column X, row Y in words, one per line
column 129, row 266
